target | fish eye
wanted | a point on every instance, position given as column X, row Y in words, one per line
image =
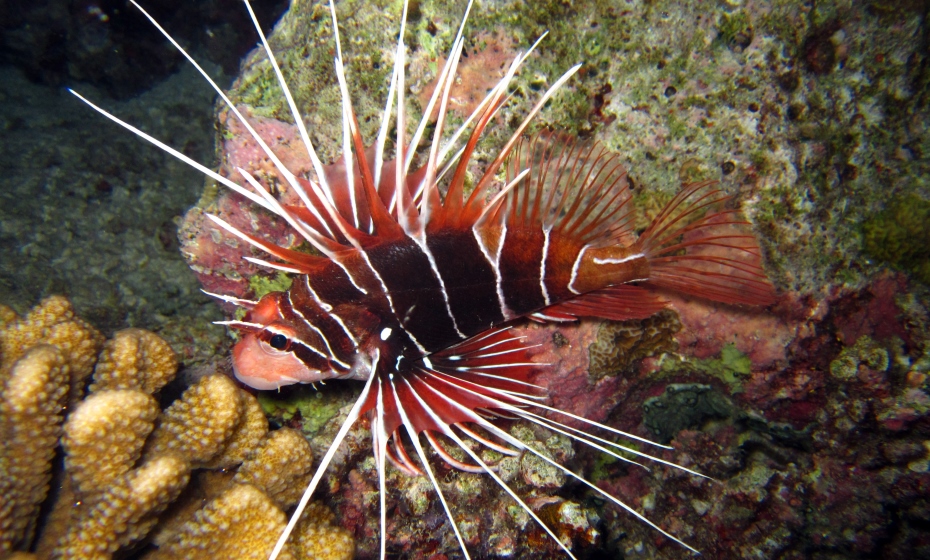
column 278, row 342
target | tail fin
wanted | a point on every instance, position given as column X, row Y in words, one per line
column 697, row 247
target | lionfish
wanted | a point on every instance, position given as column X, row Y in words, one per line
column 413, row 292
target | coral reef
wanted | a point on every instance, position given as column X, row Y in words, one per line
column 812, row 457
column 813, row 114
column 621, row 343
column 900, row 235
column 126, row 460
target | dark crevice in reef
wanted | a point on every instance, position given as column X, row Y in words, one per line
column 110, row 44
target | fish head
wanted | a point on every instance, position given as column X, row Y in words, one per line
column 272, row 352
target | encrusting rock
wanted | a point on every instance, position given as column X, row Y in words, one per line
column 128, row 464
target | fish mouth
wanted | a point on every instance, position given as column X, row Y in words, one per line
column 261, row 367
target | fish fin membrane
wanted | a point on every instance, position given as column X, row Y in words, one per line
column 616, row 303
column 576, row 189
column 699, row 246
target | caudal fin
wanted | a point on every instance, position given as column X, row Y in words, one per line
column 698, row 246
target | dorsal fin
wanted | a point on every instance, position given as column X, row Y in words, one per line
column 574, row 189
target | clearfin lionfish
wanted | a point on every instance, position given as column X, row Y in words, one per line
column 413, row 291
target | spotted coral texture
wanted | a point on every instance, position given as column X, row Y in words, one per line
column 7, row 315
column 31, row 411
column 317, row 537
column 281, row 466
column 126, row 461
column 197, row 425
column 105, row 435
column 242, row 523
column 252, row 427
column 135, row 359
column 51, row 322
column 126, row 511
column 621, row 343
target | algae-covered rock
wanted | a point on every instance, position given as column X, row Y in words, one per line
column 900, row 236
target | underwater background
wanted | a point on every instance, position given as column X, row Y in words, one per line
column 812, row 416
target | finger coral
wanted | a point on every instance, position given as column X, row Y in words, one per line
column 319, row 538
column 124, row 512
column 199, row 423
column 128, row 463
column 104, row 437
column 280, row 466
column 51, row 322
column 30, row 419
column 135, row 359
column 241, row 523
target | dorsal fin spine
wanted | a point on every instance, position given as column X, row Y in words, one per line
column 301, row 127
column 485, row 180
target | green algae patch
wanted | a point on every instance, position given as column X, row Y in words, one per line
column 316, row 408
column 262, row 285
column 734, row 30
column 601, row 464
column 731, row 367
column 733, row 361
column 900, row 236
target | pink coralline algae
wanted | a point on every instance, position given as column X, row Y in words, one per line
column 215, row 255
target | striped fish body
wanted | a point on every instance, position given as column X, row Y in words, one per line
column 557, row 245
column 429, row 297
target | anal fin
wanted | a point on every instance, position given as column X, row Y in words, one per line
column 616, row 303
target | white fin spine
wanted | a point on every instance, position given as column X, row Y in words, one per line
column 448, row 432
column 354, row 414
column 282, row 169
column 419, row 448
column 180, row 156
column 386, row 116
column 239, row 302
column 301, row 127
column 505, row 151
column 311, row 235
